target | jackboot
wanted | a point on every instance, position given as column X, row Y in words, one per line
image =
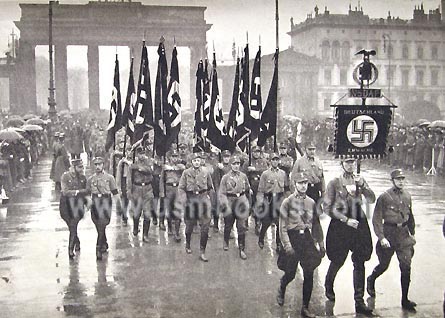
column 359, row 290
column 169, row 227
column 188, row 238
column 281, row 293
column 177, row 236
column 405, row 280
column 145, row 229
column 161, row 223
column 370, row 285
column 329, row 281
column 241, row 244
column 135, row 227
column 98, row 253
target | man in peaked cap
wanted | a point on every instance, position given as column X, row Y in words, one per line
column 394, row 226
column 234, row 193
column 286, row 161
column 348, row 230
column 102, row 187
column 272, row 189
column 72, row 202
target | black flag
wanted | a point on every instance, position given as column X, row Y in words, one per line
column 143, row 117
column 174, row 101
column 199, row 114
column 255, row 97
column 115, row 120
column 243, row 114
column 231, row 124
column 130, row 101
column 216, row 130
column 268, row 123
column 161, row 103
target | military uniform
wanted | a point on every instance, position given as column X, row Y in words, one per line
column 271, row 191
column 393, row 220
column 219, row 170
column 123, row 168
column 234, row 191
column 313, row 169
column 62, row 162
column 72, row 203
column 169, row 182
column 343, row 204
column 140, row 193
column 102, row 186
column 286, row 161
column 254, row 170
column 195, row 185
column 300, row 231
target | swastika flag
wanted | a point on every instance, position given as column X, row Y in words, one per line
column 362, row 131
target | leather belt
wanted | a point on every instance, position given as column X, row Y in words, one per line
column 396, row 224
column 196, row 192
column 271, row 194
column 100, row 195
column 141, row 183
column 236, row 195
column 174, row 184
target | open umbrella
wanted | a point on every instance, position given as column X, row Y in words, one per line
column 425, row 124
column 29, row 116
column 14, row 122
column 36, row 121
column 29, row 127
column 9, row 134
column 437, row 124
column 421, row 121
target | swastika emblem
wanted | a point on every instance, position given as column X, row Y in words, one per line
column 362, row 131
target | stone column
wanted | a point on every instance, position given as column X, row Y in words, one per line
column 195, row 56
column 61, row 76
column 26, row 79
column 93, row 77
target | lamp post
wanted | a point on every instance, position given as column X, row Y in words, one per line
column 387, row 37
column 51, row 99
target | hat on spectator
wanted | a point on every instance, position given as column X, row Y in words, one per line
column 274, row 155
column 235, row 159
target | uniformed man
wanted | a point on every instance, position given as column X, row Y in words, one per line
column 195, row 185
column 257, row 166
column 394, row 227
column 169, row 183
column 348, row 230
column 220, row 169
column 62, row 162
column 183, row 153
column 140, row 192
column 302, row 238
column 313, row 169
column 286, row 161
column 102, row 186
column 234, row 193
column 72, row 202
column 123, row 168
column 272, row 189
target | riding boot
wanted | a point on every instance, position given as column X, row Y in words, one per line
column 145, row 228
column 329, row 281
column 135, row 226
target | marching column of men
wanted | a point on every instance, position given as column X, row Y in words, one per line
column 264, row 187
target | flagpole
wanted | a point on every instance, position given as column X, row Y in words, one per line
column 277, row 18
column 114, row 139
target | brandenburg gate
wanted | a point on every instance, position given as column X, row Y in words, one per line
column 106, row 23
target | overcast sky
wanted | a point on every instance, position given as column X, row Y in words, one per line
column 231, row 19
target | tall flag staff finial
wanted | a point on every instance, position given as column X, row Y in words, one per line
column 115, row 119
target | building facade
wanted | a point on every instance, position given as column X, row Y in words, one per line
column 410, row 54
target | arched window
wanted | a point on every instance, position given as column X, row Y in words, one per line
column 325, row 46
column 335, row 51
column 390, row 51
column 345, row 51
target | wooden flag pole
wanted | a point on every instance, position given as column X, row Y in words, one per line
column 277, row 18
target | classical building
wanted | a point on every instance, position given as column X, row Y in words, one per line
column 410, row 54
column 106, row 23
column 297, row 82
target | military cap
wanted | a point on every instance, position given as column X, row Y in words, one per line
column 98, row 160
column 196, row 155
column 256, row 148
column 56, row 134
column 282, row 145
column 300, row 177
column 226, row 153
column 397, row 174
column 183, row 146
column 234, row 159
column 174, row 153
column 348, row 159
column 61, row 135
column 310, row 145
column 76, row 162
column 274, row 155
column 139, row 150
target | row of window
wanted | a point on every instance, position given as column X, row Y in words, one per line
column 342, row 52
column 405, row 74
